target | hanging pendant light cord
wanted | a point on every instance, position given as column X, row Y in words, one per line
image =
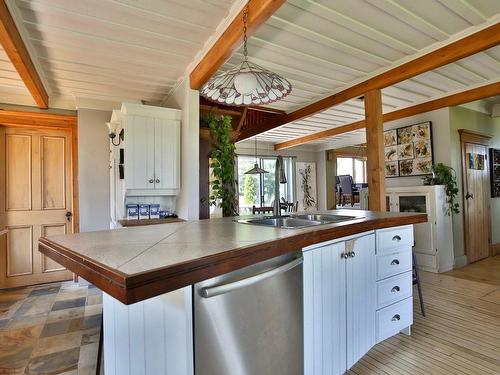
column 255, row 138
column 245, row 39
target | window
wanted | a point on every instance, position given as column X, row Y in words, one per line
column 354, row 167
column 258, row 190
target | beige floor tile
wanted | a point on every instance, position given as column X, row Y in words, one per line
column 94, row 300
column 71, row 293
column 16, row 347
column 18, row 322
column 93, row 310
column 88, row 355
column 58, row 343
column 73, row 313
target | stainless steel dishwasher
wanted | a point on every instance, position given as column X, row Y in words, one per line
column 249, row 322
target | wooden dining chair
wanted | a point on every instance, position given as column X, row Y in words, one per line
column 261, row 210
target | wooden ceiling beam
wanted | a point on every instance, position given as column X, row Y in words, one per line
column 231, row 39
column 467, row 96
column 482, row 40
column 18, row 54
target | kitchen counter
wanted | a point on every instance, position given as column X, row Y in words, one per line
column 136, row 263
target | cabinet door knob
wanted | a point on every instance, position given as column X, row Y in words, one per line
column 395, row 262
column 396, row 317
column 396, row 238
column 344, row 256
column 395, row 289
column 352, row 254
column 157, row 181
column 151, row 180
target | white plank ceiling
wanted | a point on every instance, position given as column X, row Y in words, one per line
column 115, row 50
column 132, row 50
column 325, row 46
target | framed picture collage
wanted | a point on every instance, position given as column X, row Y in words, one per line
column 408, row 150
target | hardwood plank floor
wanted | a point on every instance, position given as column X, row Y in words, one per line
column 460, row 334
column 486, row 271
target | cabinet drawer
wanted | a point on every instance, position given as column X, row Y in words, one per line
column 389, row 239
column 393, row 318
column 394, row 289
column 394, row 264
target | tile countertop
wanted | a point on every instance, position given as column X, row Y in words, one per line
column 136, row 263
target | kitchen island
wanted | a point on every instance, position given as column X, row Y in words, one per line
column 154, row 268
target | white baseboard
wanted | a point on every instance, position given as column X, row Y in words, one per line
column 460, row 261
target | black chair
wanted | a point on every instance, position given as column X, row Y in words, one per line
column 416, row 281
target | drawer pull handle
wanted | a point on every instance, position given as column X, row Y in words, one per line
column 395, row 289
column 395, row 262
column 396, row 318
column 396, row 238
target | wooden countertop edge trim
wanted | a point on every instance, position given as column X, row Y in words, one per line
column 134, row 288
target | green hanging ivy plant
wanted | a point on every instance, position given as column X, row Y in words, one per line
column 443, row 175
column 223, row 165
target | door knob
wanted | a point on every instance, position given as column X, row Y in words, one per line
column 157, row 181
column 344, row 255
column 469, row 196
column 352, row 254
column 68, row 215
column 151, row 180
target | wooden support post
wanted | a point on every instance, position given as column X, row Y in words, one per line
column 375, row 165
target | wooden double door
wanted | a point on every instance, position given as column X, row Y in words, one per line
column 35, row 201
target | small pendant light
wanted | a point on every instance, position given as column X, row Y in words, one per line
column 256, row 169
column 247, row 83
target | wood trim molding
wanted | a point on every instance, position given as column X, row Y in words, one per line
column 472, row 136
column 18, row 54
column 37, row 119
column 231, row 39
column 454, row 51
column 495, row 249
column 470, row 95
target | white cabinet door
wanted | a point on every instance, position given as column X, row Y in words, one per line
column 325, row 310
column 361, row 297
column 139, row 153
column 167, row 154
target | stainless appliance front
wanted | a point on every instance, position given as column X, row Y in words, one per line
column 250, row 321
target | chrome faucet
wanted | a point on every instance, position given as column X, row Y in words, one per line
column 279, row 178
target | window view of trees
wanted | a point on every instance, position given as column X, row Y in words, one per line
column 258, row 190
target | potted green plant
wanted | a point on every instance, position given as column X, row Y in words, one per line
column 223, row 165
column 444, row 175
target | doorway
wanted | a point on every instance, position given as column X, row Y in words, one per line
column 476, row 195
column 35, row 200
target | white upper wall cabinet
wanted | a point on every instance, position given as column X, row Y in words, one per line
column 152, row 150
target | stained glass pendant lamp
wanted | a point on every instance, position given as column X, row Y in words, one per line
column 247, row 83
column 256, row 169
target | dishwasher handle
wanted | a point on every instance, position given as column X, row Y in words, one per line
column 208, row 292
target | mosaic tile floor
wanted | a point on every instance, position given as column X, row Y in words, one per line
column 50, row 329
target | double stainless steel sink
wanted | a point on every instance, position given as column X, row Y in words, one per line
column 298, row 220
